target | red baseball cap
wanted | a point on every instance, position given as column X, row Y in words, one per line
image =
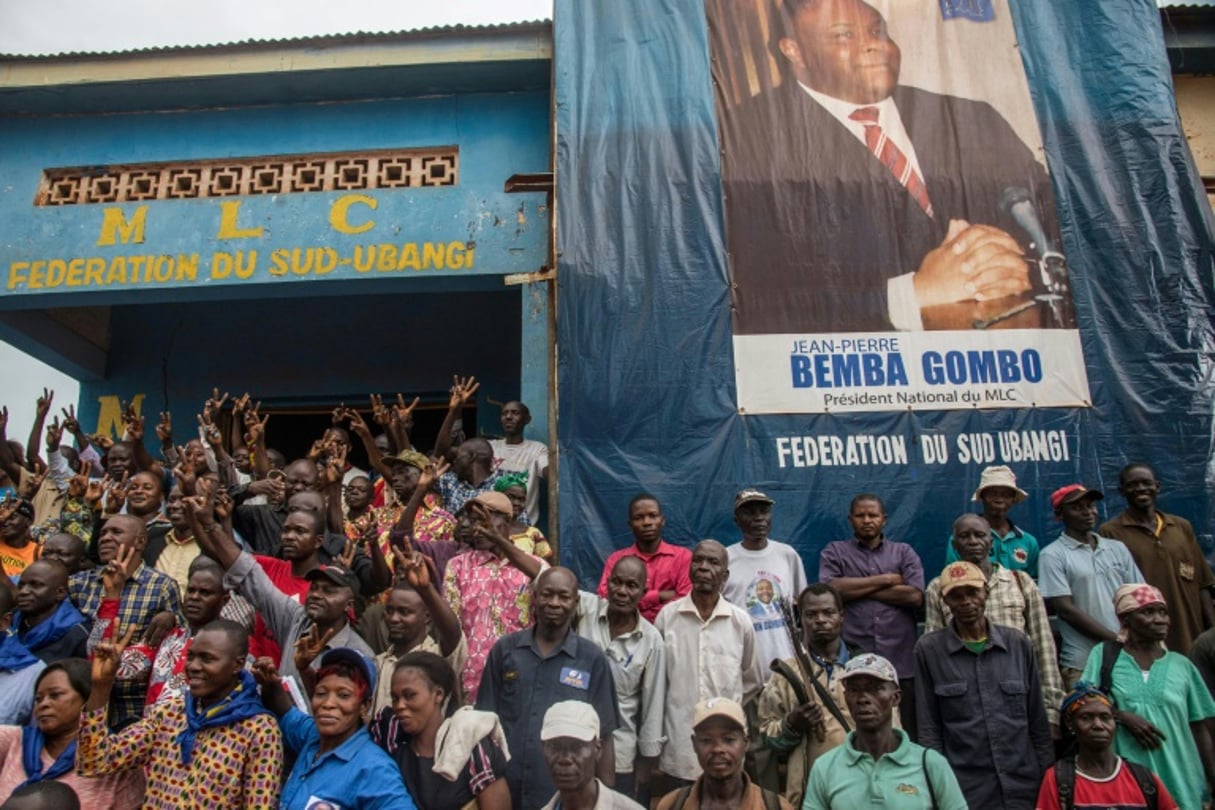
column 1072, row 493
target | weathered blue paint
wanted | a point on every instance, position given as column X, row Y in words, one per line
column 497, row 135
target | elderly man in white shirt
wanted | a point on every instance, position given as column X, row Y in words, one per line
column 709, row 643
column 634, row 649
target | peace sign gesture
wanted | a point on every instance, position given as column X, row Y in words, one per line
column 108, row 655
column 310, row 645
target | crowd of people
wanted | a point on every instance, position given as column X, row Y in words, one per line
column 219, row 626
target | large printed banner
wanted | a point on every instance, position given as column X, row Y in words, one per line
column 891, row 226
column 788, row 311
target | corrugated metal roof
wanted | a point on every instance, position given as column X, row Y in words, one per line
column 1199, row 4
column 317, row 40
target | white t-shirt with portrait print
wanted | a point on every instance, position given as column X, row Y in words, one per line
column 758, row 581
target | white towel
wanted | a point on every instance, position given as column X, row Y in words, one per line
column 459, row 734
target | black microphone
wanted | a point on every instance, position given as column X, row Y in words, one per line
column 1016, row 202
column 1052, row 266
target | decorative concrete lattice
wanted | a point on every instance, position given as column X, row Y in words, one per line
column 276, row 174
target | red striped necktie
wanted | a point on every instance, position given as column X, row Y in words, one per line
column 892, row 157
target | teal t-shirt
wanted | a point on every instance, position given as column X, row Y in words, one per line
column 1016, row 551
column 1173, row 696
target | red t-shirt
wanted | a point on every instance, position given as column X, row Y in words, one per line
column 1120, row 791
column 667, row 569
column 261, row 643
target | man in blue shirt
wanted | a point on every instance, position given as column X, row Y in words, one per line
column 530, row 670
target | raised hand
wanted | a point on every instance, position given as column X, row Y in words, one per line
column 213, row 405
column 118, row 570
column 432, row 472
column 43, row 405
column 32, row 483
column 116, row 493
column 184, row 475
column 108, row 655
column 310, row 645
column 132, row 422
column 357, row 425
column 101, row 441
column 69, row 419
column 378, row 412
column 54, row 435
column 93, row 490
column 403, row 412
column 79, row 482
column 414, row 568
column 266, row 673
column 240, row 405
column 317, row 450
column 164, row 428
column 255, row 427
column 3, row 419
column 462, row 391
column 210, row 432
column 7, row 507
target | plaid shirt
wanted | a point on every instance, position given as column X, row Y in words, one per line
column 1013, row 600
column 145, row 594
column 455, row 493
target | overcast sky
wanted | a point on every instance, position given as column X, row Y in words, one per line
column 59, row 26
column 62, row 26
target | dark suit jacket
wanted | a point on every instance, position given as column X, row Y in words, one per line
column 816, row 225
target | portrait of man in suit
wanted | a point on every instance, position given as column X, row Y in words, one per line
column 855, row 203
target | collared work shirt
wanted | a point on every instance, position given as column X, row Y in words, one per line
column 1013, row 600
column 714, row 657
column 232, row 767
column 667, row 569
column 145, row 594
column 984, row 712
column 356, row 774
column 386, row 662
column 888, row 630
column 1172, row 561
column 1090, row 576
column 845, row 779
column 607, row 799
column 284, row 616
column 519, row 684
column 639, row 670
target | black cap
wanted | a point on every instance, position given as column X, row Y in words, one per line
column 335, row 574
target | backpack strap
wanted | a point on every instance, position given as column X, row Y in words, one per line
column 1109, row 657
column 772, row 801
column 1147, row 784
column 932, row 794
column 682, row 797
column 1065, row 781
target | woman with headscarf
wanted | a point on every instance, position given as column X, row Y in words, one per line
column 514, row 486
column 450, row 757
column 46, row 748
column 1161, row 699
column 1096, row 776
column 336, row 762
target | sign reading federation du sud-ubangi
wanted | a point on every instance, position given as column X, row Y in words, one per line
column 892, row 228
